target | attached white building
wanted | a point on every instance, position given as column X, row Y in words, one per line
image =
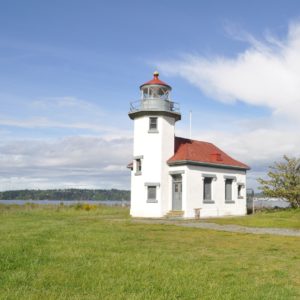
column 172, row 175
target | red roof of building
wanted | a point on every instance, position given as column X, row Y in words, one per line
column 155, row 80
column 187, row 150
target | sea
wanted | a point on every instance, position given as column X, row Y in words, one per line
column 270, row 203
column 258, row 202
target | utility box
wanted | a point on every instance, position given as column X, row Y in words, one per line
column 197, row 213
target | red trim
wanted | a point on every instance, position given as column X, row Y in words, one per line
column 154, row 81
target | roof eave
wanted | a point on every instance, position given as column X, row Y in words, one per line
column 155, row 84
column 139, row 113
column 206, row 164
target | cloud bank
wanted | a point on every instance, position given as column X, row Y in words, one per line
column 62, row 142
column 71, row 162
column 266, row 74
column 67, row 142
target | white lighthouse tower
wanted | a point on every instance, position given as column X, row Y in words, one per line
column 174, row 176
column 154, row 117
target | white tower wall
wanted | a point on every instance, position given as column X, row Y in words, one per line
column 154, row 149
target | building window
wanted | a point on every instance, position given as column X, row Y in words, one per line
column 208, row 187
column 152, row 124
column 207, row 183
column 240, row 186
column 228, row 190
column 138, row 166
column 151, row 193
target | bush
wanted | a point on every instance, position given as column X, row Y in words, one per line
column 85, row 206
column 283, row 181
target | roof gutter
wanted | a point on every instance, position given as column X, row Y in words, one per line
column 203, row 164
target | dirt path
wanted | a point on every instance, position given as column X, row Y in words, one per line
column 230, row 228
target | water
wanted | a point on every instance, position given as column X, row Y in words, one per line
column 270, row 203
column 68, row 202
column 258, row 202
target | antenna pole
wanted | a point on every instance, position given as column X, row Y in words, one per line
column 190, row 124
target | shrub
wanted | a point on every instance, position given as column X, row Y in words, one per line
column 85, row 206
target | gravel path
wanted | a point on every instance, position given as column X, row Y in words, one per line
column 230, row 228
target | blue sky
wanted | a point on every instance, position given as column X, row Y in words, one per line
column 69, row 69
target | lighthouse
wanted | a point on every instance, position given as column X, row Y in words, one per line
column 175, row 176
column 154, row 117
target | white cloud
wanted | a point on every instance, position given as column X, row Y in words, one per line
column 88, row 162
column 62, row 142
column 265, row 74
column 258, row 146
column 65, row 104
column 44, row 122
column 65, row 113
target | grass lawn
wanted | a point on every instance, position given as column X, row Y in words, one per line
column 69, row 253
column 284, row 218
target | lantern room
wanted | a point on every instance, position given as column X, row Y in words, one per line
column 155, row 89
column 155, row 99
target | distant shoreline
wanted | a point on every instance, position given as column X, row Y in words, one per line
column 67, row 202
column 91, row 200
column 67, row 195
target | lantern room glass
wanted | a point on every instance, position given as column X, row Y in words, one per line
column 155, row 92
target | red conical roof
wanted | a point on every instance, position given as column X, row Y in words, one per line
column 155, row 80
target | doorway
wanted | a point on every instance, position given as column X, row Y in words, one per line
column 177, row 192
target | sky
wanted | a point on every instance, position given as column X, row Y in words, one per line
column 69, row 70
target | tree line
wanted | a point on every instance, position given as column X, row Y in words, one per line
column 66, row 194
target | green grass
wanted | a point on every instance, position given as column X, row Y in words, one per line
column 76, row 253
column 284, row 218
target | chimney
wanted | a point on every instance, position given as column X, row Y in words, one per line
column 216, row 156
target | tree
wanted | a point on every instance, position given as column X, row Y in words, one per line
column 283, row 181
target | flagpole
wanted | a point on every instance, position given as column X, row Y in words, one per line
column 190, row 124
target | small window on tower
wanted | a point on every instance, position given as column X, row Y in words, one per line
column 153, row 124
column 151, row 193
column 138, row 164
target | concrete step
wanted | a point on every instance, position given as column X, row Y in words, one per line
column 174, row 214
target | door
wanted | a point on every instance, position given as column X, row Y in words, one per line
column 177, row 193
